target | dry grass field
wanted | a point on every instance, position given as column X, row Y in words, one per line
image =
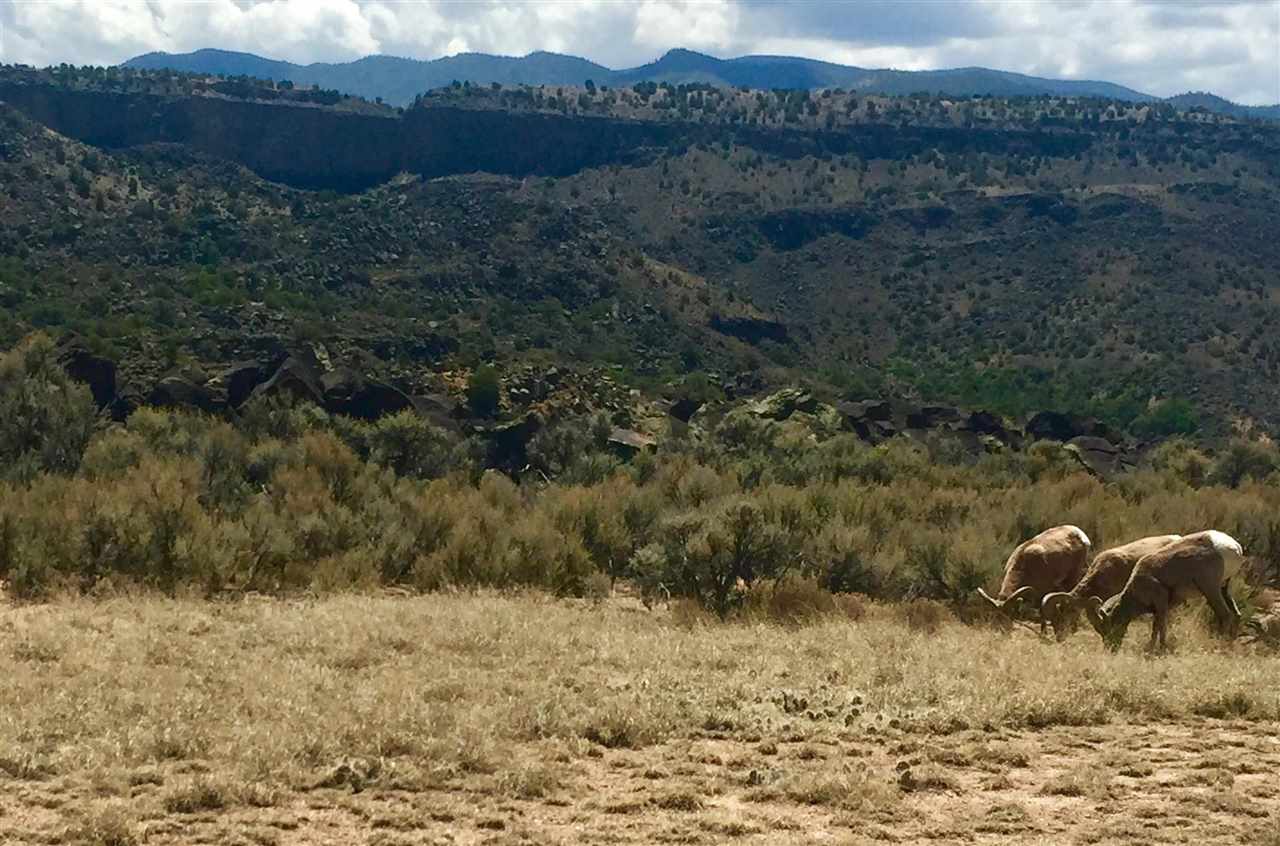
column 479, row 718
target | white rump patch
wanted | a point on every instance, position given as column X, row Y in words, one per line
column 1230, row 550
column 1083, row 537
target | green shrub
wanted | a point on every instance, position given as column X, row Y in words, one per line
column 1171, row 417
column 484, row 391
column 1182, row 459
column 571, row 450
column 408, row 445
column 46, row 420
column 1244, row 459
column 714, row 558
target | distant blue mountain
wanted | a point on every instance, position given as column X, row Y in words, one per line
column 397, row 81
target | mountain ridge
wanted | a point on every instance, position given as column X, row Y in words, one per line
column 397, row 80
column 866, row 246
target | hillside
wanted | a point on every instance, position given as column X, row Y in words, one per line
column 397, row 80
column 1214, row 103
column 1008, row 254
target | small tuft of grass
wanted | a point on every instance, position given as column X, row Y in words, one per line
column 536, row 781
column 680, row 800
column 197, row 795
column 990, row 755
column 36, row 649
column 926, row 778
column 26, row 767
column 625, row 807
column 1079, row 782
column 145, row 777
column 729, row 828
column 1006, row 818
column 618, row 728
column 106, row 825
column 851, row 789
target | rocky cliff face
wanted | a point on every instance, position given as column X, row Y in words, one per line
column 316, row 147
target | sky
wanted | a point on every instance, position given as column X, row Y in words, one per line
column 1162, row 47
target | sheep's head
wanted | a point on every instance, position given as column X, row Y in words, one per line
column 1109, row 620
column 1060, row 611
column 1012, row 606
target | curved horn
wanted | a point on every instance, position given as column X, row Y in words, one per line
column 1097, row 617
column 995, row 603
column 1017, row 598
column 1056, row 608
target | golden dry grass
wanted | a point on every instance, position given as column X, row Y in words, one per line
column 506, row 719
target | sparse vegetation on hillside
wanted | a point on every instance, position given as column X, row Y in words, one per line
column 907, row 257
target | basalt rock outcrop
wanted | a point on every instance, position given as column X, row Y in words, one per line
column 295, row 379
column 83, row 365
column 508, row 441
column 753, row 330
column 181, row 392
column 1056, row 426
column 238, row 381
column 349, row 393
column 312, row 146
column 1099, row 456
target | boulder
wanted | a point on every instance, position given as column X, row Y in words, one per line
column 628, row 443
column 127, row 401
column 1053, row 426
column 82, row 365
column 179, row 392
column 984, row 423
column 933, row 417
column 878, row 420
column 295, row 379
column 347, row 392
column 989, row 425
column 744, row 384
column 784, row 403
column 865, row 410
column 238, row 381
column 684, row 408
column 438, row 409
column 1099, row 456
column 863, row 417
column 1056, row 426
column 509, row 442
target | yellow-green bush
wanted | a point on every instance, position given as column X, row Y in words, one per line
column 289, row 498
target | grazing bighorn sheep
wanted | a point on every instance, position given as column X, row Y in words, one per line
column 1203, row 562
column 1051, row 561
column 1105, row 578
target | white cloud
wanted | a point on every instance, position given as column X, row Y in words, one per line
column 693, row 24
column 1231, row 48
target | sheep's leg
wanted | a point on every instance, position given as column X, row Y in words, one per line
column 1159, row 621
column 1220, row 602
column 1231, row 604
column 1159, row 630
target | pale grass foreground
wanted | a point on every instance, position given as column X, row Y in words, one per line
column 487, row 718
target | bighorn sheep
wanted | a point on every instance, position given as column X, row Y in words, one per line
column 1105, row 578
column 1051, row 561
column 1204, row 562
